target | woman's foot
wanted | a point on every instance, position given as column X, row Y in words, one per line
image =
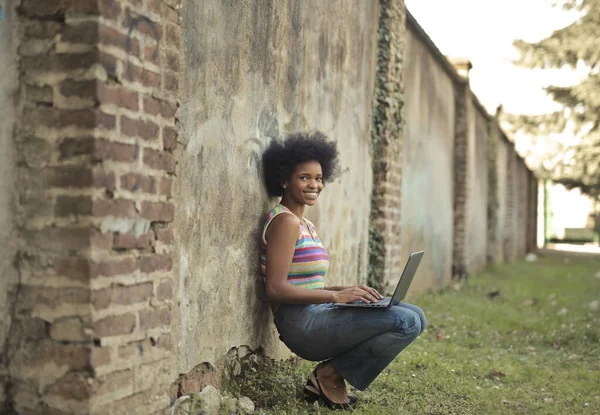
column 330, row 384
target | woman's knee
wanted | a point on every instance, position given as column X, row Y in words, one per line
column 408, row 322
column 419, row 312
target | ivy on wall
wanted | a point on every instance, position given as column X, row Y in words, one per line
column 387, row 122
column 493, row 202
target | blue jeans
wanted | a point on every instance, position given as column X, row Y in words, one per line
column 360, row 343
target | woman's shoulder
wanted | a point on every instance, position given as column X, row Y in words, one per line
column 280, row 219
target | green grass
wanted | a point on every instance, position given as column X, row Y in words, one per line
column 532, row 349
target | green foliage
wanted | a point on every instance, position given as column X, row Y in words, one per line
column 532, row 348
column 574, row 46
column 270, row 383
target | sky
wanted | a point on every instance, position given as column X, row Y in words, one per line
column 483, row 31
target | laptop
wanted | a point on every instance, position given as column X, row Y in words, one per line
column 401, row 288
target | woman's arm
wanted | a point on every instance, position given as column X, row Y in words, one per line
column 336, row 287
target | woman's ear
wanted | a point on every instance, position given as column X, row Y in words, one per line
column 284, row 185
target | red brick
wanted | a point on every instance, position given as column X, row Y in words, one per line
column 132, row 294
column 110, row 9
column 60, row 118
column 85, row 32
column 139, row 128
column 155, row 262
column 142, row 76
column 164, row 235
column 59, row 62
column 164, row 291
column 75, row 357
column 118, row 96
column 129, row 241
column 81, row 89
column 56, row 8
column 72, row 386
column 34, row 296
column 101, row 241
column 159, row 160
column 74, row 268
column 99, row 356
column 158, row 211
column 109, row 36
column 151, row 54
column 30, row 328
column 73, row 147
column 110, row 268
column 165, row 187
column 58, row 240
column 43, row 94
column 39, row 29
column 169, row 138
column 173, row 61
column 73, row 205
column 114, row 207
column 115, row 325
column 110, row 150
column 122, row 294
column 138, row 183
column 156, row 106
column 154, row 6
column 78, row 177
column 171, row 82
column 155, row 318
column 101, row 298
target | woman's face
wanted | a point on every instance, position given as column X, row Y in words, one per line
column 305, row 183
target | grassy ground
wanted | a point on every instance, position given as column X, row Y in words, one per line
column 522, row 338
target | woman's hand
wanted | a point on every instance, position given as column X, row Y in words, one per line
column 359, row 292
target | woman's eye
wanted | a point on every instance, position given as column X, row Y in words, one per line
column 319, row 179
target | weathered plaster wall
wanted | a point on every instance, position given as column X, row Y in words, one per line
column 427, row 178
column 255, row 71
column 8, row 248
column 476, row 220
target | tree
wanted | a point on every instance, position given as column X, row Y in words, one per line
column 575, row 46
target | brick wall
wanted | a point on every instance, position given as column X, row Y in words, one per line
column 385, row 235
column 97, row 101
column 463, row 118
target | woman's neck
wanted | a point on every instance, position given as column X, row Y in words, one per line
column 296, row 208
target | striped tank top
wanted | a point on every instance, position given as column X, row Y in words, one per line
column 310, row 262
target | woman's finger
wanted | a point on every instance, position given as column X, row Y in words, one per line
column 373, row 292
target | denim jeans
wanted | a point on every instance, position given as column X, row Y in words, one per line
column 360, row 343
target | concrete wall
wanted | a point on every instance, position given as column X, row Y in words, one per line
column 477, row 208
column 8, row 248
column 254, row 72
column 427, row 178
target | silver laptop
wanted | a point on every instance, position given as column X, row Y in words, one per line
column 401, row 288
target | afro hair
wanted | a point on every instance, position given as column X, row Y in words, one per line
column 281, row 158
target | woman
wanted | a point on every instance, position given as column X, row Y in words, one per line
column 354, row 345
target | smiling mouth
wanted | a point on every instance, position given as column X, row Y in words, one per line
column 311, row 195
